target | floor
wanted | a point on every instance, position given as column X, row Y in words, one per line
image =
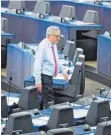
column 91, row 63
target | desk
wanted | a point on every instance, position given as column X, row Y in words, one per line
column 32, row 29
column 80, row 8
column 5, row 38
column 6, row 35
column 104, row 56
column 41, row 120
column 20, row 67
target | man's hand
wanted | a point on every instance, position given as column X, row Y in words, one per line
column 39, row 87
column 66, row 76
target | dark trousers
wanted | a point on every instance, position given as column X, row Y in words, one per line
column 47, row 90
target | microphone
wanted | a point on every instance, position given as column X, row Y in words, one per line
column 9, row 88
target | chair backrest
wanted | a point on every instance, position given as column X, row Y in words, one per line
column 81, row 58
column 66, row 48
column 60, row 131
column 16, row 4
column 59, row 118
column 61, row 43
column 4, row 24
column 29, row 98
column 4, row 107
column 67, row 11
column 76, row 76
column 103, row 128
column 91, row 16
column 19, row 121
column 98, row 110
column 42, row 7
column 71, row 51
column 77, row 53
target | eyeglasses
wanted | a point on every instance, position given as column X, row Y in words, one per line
column 57, row 36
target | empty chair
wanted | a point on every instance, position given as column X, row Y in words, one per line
column 42, row 7
column 61, row 43
column 17, row 5
column 88, row 42
column 60, row 131
column 29, row 98
column 67, row 11
column 70, row 93
column 76, row 55
column 81, row 58
column 69, row 49
column 91, row 16
column 4, row 107
column 4, row 24
column 98, row 110
column 59, row 119
column 66, row 48
column 19, row 121
column 103, row 128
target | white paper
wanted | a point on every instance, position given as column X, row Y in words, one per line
column 46, row 118
column 2, row 126
column 3, row 9
column 28, row 13
column 80, row 113
column 38, row 122
column 81, row 23
column 11, row 100
column 59, row 76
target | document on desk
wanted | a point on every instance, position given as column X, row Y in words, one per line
column 2, row 127
column 46, row 118
column 28, row 13
column 81, row 23
column 38, row 122
column 61, row 77
column 3, row 9
column 54, row 18
column 2, row 32
column 80, row 113
column 11, row 100
column 32, row 14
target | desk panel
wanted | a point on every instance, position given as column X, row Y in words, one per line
column 20, row 67
column 81, row 8
column 104, row 56
column 34, row 29
column 105, row 11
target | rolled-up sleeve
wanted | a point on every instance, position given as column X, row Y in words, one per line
column 38, row 64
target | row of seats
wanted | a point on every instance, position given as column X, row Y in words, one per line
column 58, row 119
column 66, row 11
column 88, row 43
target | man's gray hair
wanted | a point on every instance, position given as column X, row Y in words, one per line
column 51, row 30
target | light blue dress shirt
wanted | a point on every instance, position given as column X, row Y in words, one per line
column 44, row 60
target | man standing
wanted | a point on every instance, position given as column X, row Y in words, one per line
column 46, row 64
